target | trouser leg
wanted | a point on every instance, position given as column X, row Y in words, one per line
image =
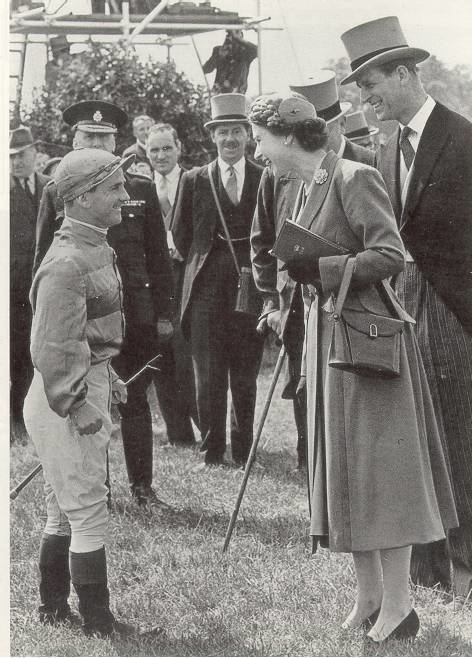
column 211, row 377
column 171, row 403
column 245, row 348
column 137, row 437
column 21, row 368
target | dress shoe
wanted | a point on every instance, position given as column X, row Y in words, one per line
column 146, row 496
column 370, row 621
column 407, row 629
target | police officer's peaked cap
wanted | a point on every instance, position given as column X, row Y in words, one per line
column 83, row 169
column 95, row 117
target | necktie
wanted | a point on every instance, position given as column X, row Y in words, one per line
column 406, row 147
column 28, row 191
column 163, row 196
column 231, row 186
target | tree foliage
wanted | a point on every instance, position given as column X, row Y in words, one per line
column 115, row 73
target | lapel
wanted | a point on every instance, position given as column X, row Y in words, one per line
column 170, row 216
column 318, row 192
column 431, row 145
column 390, row 172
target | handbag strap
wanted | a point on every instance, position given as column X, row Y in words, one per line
column 222, row 220
column 344, row 286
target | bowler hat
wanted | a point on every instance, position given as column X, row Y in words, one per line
column 357, row 128
column 83, row 169
column 95, row 117
column 375, row 43
column 59, row 44
column 321, row 90
column 20, row 139
column 227, row 108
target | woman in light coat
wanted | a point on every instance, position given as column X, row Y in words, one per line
column 378, row 481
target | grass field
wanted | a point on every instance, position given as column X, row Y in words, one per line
column 266, row 597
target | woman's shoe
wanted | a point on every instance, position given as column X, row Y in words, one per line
column 406, row 630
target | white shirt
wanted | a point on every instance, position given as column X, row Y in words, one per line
column 172, row 183
column 417, row 125
column 239, row 168
column 31, row 183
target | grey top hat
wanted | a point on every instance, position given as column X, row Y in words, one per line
column 321, row 90
column 375, row 43
column 59, row 44
column 20, row 139
column 227, row 108
column 357, row 128
column 83, row 169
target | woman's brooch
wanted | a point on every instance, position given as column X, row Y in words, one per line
column 320, row 176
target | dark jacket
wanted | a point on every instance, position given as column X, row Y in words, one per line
column 22, row 237
column 196, row 222
column 139, row 241
column 435, row 223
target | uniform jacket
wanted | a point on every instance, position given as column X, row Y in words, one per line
column 138, row 150
column 435, row 223
column 139, row 241
column 22, row 237
column 77, row 313
column 196, row 221
column 276, row 199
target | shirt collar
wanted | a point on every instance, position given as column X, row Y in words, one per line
column 419, row 120
column 172, row 177
column 343, row 144
column 102, row 231
column 238, row 166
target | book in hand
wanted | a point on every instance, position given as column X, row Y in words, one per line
column 296, row 244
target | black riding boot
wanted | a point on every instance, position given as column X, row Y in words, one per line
column 55, row 579
column 89, row 577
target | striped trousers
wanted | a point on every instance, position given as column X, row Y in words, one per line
column 446, row 351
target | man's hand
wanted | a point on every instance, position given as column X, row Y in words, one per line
column 119, row 392
column 86, row 419
column 165, row 330
column 305, row 273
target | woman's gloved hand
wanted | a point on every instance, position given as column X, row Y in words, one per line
column 303, row 273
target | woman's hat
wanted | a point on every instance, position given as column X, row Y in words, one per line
column 95, row 117
column 227, row 108
column 320, row 89
column 83, row 169
column 375, row 43
column 357, row 128
column 20, row 139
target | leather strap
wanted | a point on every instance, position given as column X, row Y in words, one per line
column 222, row 220
column 344, row 286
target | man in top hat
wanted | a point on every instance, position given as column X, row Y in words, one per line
column 283, row 307
column 224, row 343
column 77, row 329
column 26, row 187
column 426, row 164
column 141, row 126
column 143, row 261
column 61, row 56
column 358, row 131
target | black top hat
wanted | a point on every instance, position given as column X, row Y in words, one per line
column 20, row 139
column 59, row 44
column 95, row 117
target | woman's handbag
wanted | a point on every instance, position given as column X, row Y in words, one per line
column 247, row 298
column 364, row 343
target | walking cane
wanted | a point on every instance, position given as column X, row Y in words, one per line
column 14, row 492
column 252, row 455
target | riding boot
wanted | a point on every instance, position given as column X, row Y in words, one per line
column 89, row 577
column 137, row 436
column 55, row 579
